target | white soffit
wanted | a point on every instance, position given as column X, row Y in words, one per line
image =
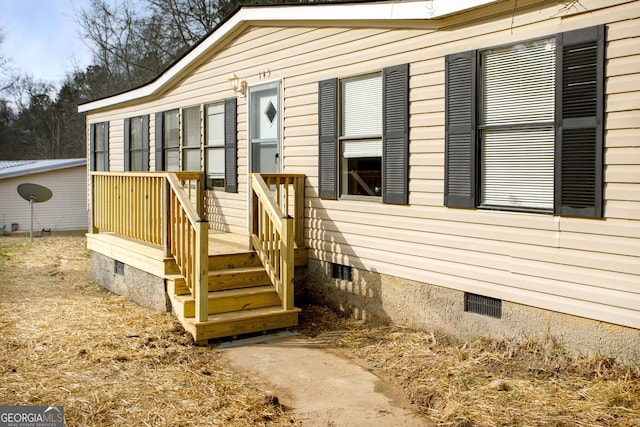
column 382, row 11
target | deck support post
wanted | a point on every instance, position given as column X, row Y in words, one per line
column 202, row 266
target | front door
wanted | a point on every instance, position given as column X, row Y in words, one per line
column 264, row 128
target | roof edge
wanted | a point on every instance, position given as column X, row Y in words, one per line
column 32, row 167
column 359, row 11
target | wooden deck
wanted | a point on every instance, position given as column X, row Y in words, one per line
column 219, row 284
column 241, row 297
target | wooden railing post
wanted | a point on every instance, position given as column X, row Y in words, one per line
column 166, row 215
column 298, row 212
column 287, row 261
column 200, row 197
column 92, row 226
column 202, row 269
column 253, row 209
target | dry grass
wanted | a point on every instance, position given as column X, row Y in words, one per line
column 109, row 362
column 65, row 341
column 488, row 382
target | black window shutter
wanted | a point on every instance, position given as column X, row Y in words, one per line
column 106, row 146
column 460, row 130
column 395, row 135
column 145, row 142
column 159, row 143
column 328, row 138
column 231, row 145
column 127, row 144
column 580, row 122
column 92, row 147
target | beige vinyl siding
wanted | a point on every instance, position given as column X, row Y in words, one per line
column 66, row 210
column 584, row 267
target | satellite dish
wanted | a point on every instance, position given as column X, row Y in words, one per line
column 33, row 193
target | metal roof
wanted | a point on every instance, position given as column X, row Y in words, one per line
column 13, row 168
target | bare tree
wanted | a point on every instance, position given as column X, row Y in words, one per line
column 133, row 43
column 5, row 80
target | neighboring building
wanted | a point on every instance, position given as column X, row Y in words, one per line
column 471, row 167
column 65, row 211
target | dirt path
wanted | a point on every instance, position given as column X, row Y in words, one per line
column 322, row 388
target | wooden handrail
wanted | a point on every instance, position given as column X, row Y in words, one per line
column 158, row 208
column 273, row 229
column 189, row 243
column 289, row 196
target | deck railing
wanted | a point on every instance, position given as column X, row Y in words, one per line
column 158, row 208
column 130, row 205
column 274, row 230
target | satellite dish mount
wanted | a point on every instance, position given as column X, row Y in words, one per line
column 33, row 193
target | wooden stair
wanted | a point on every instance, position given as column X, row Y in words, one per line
column 241, row 299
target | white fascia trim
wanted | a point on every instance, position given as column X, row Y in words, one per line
column 412, row 10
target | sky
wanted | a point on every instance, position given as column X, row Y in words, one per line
column 42, row 37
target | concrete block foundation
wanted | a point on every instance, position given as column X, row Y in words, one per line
column 379, row 298
column 141, row 287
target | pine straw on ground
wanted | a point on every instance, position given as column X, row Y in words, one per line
column 109, row 362
column 487, row 382
column 65, row 341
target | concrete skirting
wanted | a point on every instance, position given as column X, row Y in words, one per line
column 380, row 298
column 141, row 287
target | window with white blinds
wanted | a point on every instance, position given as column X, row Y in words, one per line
column 137, row 144
column 100, row 132
column 214, row 148
column 362, row 148
column 362, row 106
column 135, row 149
column 171, row 139
column 361, row 119
column 191, row 139
column 517, row 113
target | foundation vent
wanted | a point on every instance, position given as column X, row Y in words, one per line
column 342, row 272
column 480, row 304
column 118, row 268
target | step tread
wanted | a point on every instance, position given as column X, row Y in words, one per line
column 231, row 293
column 253, row 313
column 235, row 271
column 227, row 279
